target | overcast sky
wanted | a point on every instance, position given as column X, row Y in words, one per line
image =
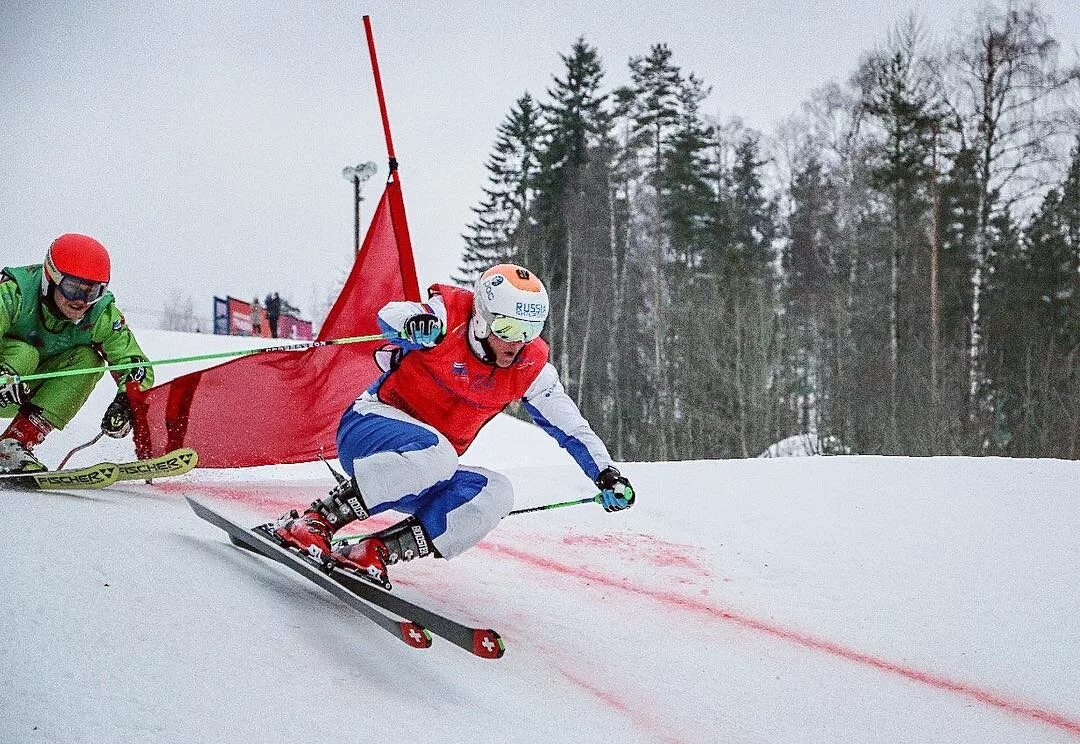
column 203, row 142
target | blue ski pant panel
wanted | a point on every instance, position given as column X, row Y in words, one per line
column 391, row 454
column 465, row 509
column 404, row 465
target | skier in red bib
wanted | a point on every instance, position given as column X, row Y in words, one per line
column 457, row 361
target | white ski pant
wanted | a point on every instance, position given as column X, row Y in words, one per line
column 402, row 464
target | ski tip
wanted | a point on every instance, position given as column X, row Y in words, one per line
column 487, row 644
column 415, row 635
column 172, row 463
column 188, row 457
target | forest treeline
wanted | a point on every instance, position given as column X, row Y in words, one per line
column 895, row 270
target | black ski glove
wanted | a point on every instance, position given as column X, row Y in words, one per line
column 616, row 493
column 424, row 330
column 118, row 418
column 135, row 374
column 14, row 393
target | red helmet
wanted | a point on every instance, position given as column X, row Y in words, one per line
column 79, row 266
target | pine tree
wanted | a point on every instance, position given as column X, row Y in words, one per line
column 688, row 195
column 686, row 209
column 626, row 397
column 655, row 82
column 747, row 294
column 501, row 231
column 1031, row 329
column 813, row 269
column 571, row 204
column 1070, row 228
column 956, row 224
column 1006, row 85
column 898, row 98
column 752, row 213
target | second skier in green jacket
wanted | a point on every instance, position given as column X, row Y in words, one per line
column 55, row 316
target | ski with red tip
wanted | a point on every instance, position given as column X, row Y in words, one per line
column 411, row 633
column 483, row 642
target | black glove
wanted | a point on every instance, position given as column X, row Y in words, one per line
column 14, row 393
column 616, row 493
column 135, row 374
column 118, row 418
column 423, row 330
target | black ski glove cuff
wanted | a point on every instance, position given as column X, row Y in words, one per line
column 610, row 477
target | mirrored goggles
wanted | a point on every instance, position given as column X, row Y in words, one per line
column 514, row 330
column 74, row 289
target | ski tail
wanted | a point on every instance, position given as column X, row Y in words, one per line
column 410, row 632
column 371, row 600
column 102, row 474
column 95, row 476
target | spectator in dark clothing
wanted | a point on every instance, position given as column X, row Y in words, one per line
column 273, row 311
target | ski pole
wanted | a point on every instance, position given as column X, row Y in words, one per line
column 589, row 500
column 597, row 499
column 303, row 346
column 67, row 457
column 349, row 539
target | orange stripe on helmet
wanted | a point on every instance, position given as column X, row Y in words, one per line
column 519, row 277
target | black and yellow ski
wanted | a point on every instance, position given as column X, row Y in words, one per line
column 102, row 474
column 93, row 476
column 176, row 462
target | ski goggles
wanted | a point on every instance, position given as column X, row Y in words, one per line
column 74, row 289
column 515, row 330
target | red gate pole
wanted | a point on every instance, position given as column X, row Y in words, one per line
column 393, row 181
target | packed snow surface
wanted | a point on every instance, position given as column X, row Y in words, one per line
column 840, row 599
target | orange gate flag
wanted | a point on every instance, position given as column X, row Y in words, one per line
column 284, row 406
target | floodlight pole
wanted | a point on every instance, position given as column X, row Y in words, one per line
column 356, row 213
column 357, row 174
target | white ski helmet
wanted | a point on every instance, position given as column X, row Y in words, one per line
column 510, row 302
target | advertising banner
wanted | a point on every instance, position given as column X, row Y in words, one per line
column 221, row 316
column 233, row 317
column 291, row 327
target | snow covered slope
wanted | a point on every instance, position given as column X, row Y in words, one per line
column 857, row 599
